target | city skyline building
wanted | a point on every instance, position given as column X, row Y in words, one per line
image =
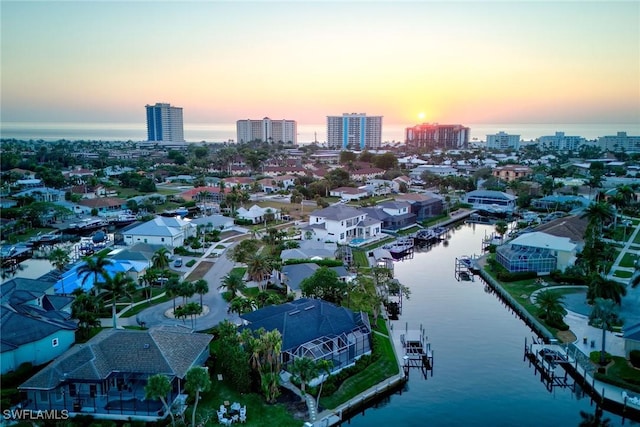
column 560, row 141
column 355, row 131
column 164, row 123
column 503, row 141
column 620, row 142
column 267, row 130
column 434, row 136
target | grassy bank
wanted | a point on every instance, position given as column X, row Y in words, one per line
column 383, row 367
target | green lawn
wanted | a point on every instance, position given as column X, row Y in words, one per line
column 628, row 260
column 383, row 368
column 360, row 258
column 620, row 373
column 521, row 291
column 238, row 270
column 259, row 413
column 622, row 274
column 138, row 308
column 637, row 239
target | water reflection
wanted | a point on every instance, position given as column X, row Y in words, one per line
column 480, row 375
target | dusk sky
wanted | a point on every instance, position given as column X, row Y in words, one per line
column 462, row 62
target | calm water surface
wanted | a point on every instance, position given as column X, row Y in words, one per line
column 480, row 378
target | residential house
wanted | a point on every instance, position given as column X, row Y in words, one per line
column 366, row 174
column 105, row 377
column 256, row 214
column 423, row 205
column 42, row 194
column 327, row 157
column 349, row 193
column 205, row 194
column 277, row 183
column 394, row 215
column 537, row 251
column 291, row 276
column 381, row 187
column 29, row 183
column 341, row 224
column 311, row 250
column 491, row 201
column 104, row 205
column 315, row 329
column 35, row 326
column 273, row 171
column 402, row 180
column 214, row 222
column 511, row 172
column 239, row 182
column 161, row 230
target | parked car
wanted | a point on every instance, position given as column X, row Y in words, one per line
column 178, row 262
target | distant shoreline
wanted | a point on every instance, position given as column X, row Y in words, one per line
column 307, row 133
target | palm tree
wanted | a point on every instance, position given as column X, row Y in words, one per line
column 186, row 290
column 172, row 289
column 95, row 266
column 233, row 283
column 605, row 311
column 197, row 381
column 59, row 258
column 324, row 367
column 601, row 287
column 160, row 259
column 551, row 306
column 598, row 214
column 258, row 266
column 242, row 305
column 501, row 228
column 118, row 285
column 85, row 309
column 158, row 387
column 305, row 369
column 201, row 287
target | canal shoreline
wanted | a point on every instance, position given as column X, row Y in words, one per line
column 610, row 397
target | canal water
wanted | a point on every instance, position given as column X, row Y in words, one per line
column 480, row 377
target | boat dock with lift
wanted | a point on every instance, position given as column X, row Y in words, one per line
column 417, row 351
column 466, row 267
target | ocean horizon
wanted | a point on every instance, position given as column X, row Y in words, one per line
column 307, row 133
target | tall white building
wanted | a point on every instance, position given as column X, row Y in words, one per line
column 620, row 142
column 354, row 131
column 164, row 123
column 560, row 141
column 267, row 130
column 503, row 141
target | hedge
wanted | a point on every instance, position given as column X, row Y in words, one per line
column 505, row 276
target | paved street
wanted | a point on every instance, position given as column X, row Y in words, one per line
column 217, row 306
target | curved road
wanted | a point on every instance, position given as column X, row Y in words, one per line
column 155, row 315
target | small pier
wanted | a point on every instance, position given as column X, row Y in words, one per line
column 466, row 267
column 417, row 351
column 551, row 360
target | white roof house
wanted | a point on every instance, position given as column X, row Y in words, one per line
column 256, row 214
column 537, row 251
column 161, row 231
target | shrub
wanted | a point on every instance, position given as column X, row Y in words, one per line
column 634, row 357
column 190, row 263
